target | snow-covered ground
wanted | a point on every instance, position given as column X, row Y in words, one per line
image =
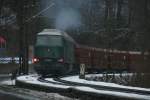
column 27, row 94
column 5, row 79
column 78, row 80
column 7, row 82
column 126, row 79
column 114, row 93
column 32, row 79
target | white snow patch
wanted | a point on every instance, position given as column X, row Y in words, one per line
column 101, row 75
column 113, row 93
column 76, row 79
column 34, row 80
column 8, row 82
column 52, row 80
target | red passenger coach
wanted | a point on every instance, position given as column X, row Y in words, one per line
column 97, row 59
column 83, row 55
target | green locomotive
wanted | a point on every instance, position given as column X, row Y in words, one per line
column 53, row 52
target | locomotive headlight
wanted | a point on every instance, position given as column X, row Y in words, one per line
column 61, row 60
column 34, row 60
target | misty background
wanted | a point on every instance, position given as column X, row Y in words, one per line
column 112, row 24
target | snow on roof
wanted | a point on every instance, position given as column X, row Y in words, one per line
column 111, row 50
column 50, row 32
column 56, row 32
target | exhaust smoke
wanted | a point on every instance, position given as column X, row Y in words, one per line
column 68, row 19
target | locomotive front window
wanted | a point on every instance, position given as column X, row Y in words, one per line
column 44, row 40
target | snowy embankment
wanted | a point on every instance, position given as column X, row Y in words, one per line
column 26, row 94
column 8, row 82
column 78, row 80
column 5, row 79
column 126, row 79
column 33, row 79
column 15, row 93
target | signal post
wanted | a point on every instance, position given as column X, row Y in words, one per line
column 82, row 71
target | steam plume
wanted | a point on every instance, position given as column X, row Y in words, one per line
column 68, row 18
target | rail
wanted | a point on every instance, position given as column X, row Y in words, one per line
column 80, row 90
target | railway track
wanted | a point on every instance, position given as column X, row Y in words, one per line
column 102, row 91
column 100, row 87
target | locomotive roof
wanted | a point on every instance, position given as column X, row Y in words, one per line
column 56, row 32
column 50, row 32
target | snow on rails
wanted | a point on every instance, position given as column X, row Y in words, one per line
column 72, row 84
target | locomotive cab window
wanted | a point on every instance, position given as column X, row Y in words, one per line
column 51, row 40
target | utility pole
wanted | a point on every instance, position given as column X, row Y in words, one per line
column 23, row 32
column 25, row 38
column 20, row 20
column 23, row 44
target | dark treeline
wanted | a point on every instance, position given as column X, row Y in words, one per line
column 115, row 24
